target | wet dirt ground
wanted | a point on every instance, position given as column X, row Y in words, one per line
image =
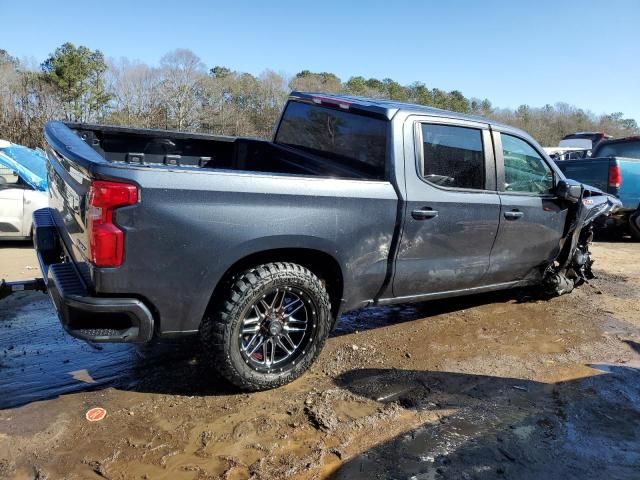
column 491, row 386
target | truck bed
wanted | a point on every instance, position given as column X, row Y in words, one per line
column 160, row 148
column 595, row 172
column 205, row 202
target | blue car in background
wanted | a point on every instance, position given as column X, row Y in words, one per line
column 614, row 167
column 23, row 189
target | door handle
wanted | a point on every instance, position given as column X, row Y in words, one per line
column 513, row 215
column 424, row 213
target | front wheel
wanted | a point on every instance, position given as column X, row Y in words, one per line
column 269, row 327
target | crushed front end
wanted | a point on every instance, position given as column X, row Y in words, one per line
column 572, row 266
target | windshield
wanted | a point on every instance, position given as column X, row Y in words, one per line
column 352, row 139
column 576, row 143
column 30, row 165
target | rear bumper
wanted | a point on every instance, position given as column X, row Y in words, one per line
column 83, row 315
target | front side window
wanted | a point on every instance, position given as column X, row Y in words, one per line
column 524, row 169
column 453, row 156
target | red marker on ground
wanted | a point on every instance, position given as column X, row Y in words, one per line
column 96, row 414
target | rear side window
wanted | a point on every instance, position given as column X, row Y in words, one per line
column 453, row 156
column 348, row 138
column 626, row 149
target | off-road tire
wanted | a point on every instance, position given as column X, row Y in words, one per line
column 221, row 325
column 634, row 225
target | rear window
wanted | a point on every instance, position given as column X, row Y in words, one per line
column 627, row 149
column 353, row 140
column 576, row 143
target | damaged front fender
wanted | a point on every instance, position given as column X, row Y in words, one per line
column 572, row 266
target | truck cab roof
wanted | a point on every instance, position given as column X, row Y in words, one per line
column 389, row 108
column 610, row 141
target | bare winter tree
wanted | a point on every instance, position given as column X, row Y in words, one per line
column 216, row 96
column 272, row 96
column 181, row 73
column 135, row 88
column 27, row 102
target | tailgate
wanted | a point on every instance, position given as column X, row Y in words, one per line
column 68, row 187
column 69, row 166
column 591, row 171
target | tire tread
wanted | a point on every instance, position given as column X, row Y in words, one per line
column 216, row 328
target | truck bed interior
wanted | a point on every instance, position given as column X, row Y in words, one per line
column 178, row 149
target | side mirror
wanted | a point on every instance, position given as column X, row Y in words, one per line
column 569, row 190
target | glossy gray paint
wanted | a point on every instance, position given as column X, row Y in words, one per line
column 191, row 225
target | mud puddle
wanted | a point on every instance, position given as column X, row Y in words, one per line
column 494, row 427
column 39, row 361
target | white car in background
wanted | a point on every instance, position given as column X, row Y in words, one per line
column 23, row 189
column 567, row 153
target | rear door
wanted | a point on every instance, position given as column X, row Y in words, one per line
column 531, row 219
column 452, row 214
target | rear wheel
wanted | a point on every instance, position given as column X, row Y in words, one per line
column 634, row 225
column 269, row 327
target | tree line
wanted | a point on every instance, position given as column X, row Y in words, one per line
column 79, row 84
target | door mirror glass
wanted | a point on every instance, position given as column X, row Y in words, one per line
column 569, row 190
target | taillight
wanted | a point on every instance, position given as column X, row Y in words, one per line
column 615, row 176
column 106, row 240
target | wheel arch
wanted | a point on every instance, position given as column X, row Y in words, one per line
column 634, row 224
column 322, row 264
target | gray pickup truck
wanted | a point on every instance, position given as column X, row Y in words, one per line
column 258, row 246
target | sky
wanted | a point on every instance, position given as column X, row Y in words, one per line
column 514, row 52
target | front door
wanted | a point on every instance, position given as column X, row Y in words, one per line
column 532, row 221
column 453, row 210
